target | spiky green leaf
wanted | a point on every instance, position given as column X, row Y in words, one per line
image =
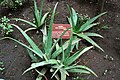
column 79, row 71
column 90, row 21
column 93, row 34
column 43, row 63
column 31, row 42
column 49, row 39
column 76, row 55
column 89, row 40
column 22, row 45
column 23, row 20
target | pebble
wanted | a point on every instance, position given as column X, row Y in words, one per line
column 117, row 16
column 9, row 14
column 117, row 38
column 114, row 65
column 110, row 58
column 32, row 37
column 109, row 71
column 16, row 46
column 105, row 72
column 37, row 32
column 23, row 24
column 23, row 15
column 106, row 57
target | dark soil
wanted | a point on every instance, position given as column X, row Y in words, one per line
column 106, row 64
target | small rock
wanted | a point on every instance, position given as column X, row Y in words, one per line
column 32, row 37
column 16, row 46
column 117, row 38
column 111, row 58
column 9, row 14
column 37, row 32
column 23, row 24
column 105, row 72
column 106, row 57
column 117, row 16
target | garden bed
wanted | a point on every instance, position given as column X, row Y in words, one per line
column 106, row 65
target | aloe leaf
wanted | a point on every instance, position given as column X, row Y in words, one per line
column 93, row 34
column 58, row 51
column 49, row 39
column 43, row 18
column 81, row 67
column 73, row 19
column 58, row 40
column 43, row 63
column 63, row 52
column 57, row 45
column 22, row 45
column 76, row 45
column 57, row 77
column 44, row 31
column 1, row 69
column 75, row 56
column 79, row 71
column 90, row 26
column 69, row 19
column 32, row 44
column 90, row 21
column 74, row 15
column 63, row 73
column 42, row 74
column 86, row 68
column 36, row 14
column 89, row 40
column 31, row 54
column 63, row 76
column 68, row 50
column 70, row 22
column 65, row 46
column 28, row 22
column 59, row 67
column 29, row 29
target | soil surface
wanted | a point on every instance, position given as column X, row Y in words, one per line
column 106, row 64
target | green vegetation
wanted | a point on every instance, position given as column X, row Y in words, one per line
column 11, row 3
column 105, row 27
column 39, row 18
column 6, row 26
column 81, row 25
column 55, row 56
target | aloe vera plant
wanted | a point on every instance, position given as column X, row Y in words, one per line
column 80, row 27
column 38, row 16
column 54, row 57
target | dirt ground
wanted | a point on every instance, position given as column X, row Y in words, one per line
column 106, row 64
